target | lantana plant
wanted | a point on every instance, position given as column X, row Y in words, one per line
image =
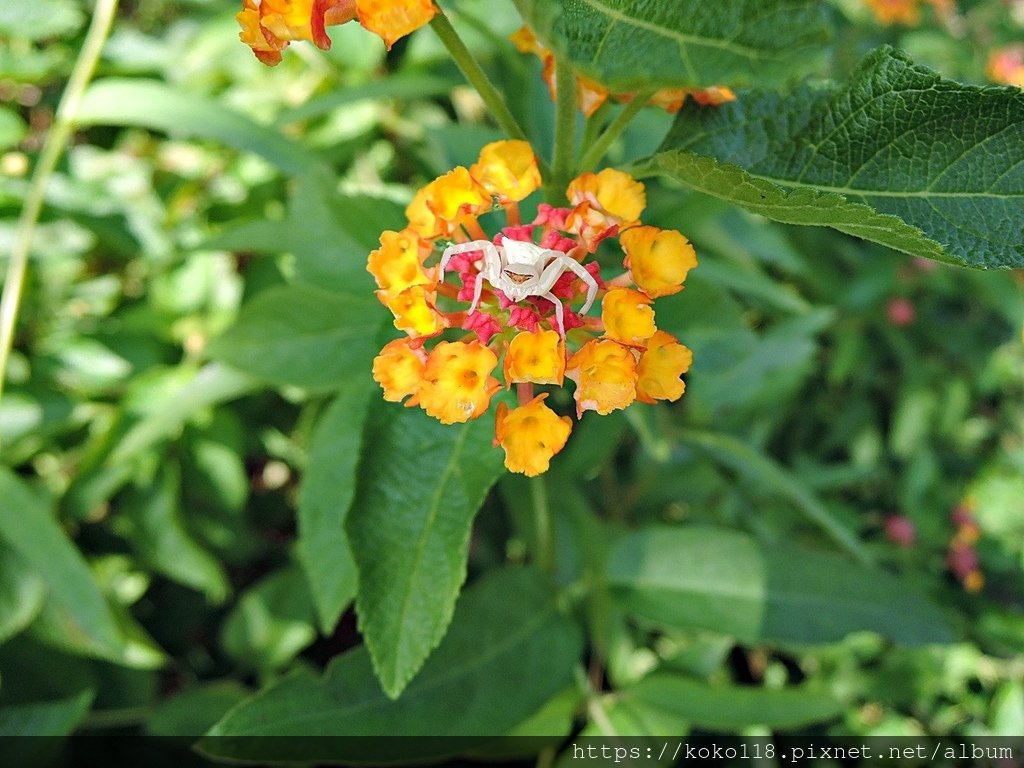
column 386, row 422
column 522, row 277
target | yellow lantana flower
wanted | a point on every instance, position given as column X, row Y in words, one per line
column 616, row 194
column 398, row 263
column 658, row 259
column 414, row 311
column 507, row 170
column 605, row 376
column 530, row 434
column 399, row 369
column 660, row 367
column 443, row 205
column 535, row 356
column 457, row 384
column 394, row 19
column 627, row 316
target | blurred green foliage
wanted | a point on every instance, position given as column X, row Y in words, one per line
column 200, row 478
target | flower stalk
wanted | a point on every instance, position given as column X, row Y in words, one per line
column 476, row 76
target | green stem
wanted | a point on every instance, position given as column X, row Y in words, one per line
column 53, row 147
column 591, row 129
column 545, row 553
column 476, row 76
column 565, row 129
column 597, row 150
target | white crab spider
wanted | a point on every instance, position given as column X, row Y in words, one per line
column 521, row 269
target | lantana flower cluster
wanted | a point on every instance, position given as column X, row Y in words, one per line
column 612, row 360
column 268, row 26
column 907, row 12
column 1006, row 66
column 590, row 94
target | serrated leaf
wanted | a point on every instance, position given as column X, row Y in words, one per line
column 28, row 526
column 898, row 156
column 155, row 105
column 732, row 708
column 301, row 335
column 726, row 582
column 420, row 486
column 633, row 44
column 328, row 487
column 508, row 652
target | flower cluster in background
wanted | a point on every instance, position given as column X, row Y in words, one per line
column 1006, row 65
column 613, row 359
column 962, row 558
column 268, row 26
column 907, row 12
column 590, row 94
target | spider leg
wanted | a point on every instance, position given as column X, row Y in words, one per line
column 455, row 250
column 556, row 269
column 559, row 312
column 586, row 277
column 489, row 270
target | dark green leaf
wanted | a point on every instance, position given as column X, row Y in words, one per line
column 328, row 488
column 509, row 652
column 302, row 335
column 725, row 582
column 420, row 486
column 272, row 622
column 634, row 44
column 194, row 711
column 729, row 708
column 151, row 517
column 898, row 156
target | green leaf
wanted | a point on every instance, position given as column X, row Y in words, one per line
column 44, row 718
column 40, row 19
column 328, row 487
column 746, row 460
column 302, row 335
column 21, row 594
column 729, row 708
column 420, row 486
column 151, row 517
column 162, row 107
column 27, row 524
column 12, row 128
column 725, row 582
column 898, row 156
column 195, row 710
column 635, row 44
column 328, row 233
column 272, row 622
column 509, row 652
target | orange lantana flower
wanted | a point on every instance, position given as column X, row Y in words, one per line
column 268, row 26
